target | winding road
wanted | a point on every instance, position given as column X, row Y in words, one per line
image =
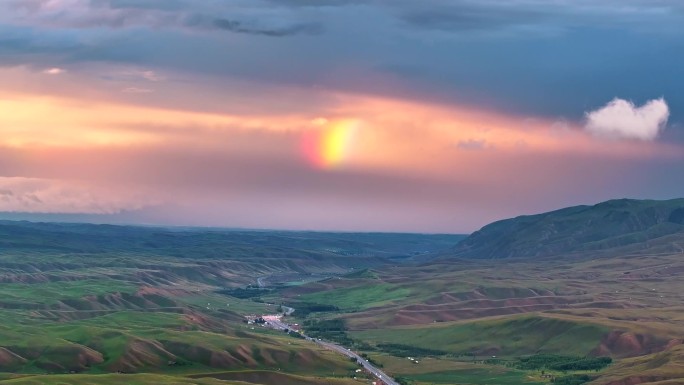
column 276, row 322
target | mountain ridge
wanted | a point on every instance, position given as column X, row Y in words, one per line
column 619, row 224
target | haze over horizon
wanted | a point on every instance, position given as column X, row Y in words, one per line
column 363, row 115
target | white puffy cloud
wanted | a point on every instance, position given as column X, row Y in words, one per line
column 621, row 119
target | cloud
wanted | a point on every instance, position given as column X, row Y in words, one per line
column 471, row 16
column 621, row 119
column 152, row 76
column 135, row 76
column 248, row 171
column 528, row 15
column 472, row 144
column 37, row 195
column 411, row 52
column 237, row 26
column 255, row 19
column 54, row 71
column 136, row 90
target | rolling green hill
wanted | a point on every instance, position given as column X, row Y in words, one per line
column 83, row 303
column 589, row 282
column 622, row 225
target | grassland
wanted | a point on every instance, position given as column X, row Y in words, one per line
column 627, row 307
column 275, row 377
column 504, row 337
column 152, row 303
column 253, row 377
column 479, row 376
column 359, row 297
column 451, row 371
column 48, row 293
column 665, row 366
column 84, row 304
column 609, row 228
column 115, row 379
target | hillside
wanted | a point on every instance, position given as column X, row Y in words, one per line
column 152, row 302
column 455, row 316
column 622, row 226
column 188, row 242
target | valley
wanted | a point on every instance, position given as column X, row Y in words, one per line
column 94, row 304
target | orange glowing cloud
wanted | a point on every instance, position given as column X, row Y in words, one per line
column 445, row 142
column 39, row 121
column 369, row 133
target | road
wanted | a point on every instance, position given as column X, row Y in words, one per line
column 276, row 322
column 366, row 365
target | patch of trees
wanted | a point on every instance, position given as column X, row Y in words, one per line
column 562, row 363
column 361, row 345
column 492, row 361
column 575, row 379
column 371, row 361
column 303, row 309
column 179, row 362
column 401, row 350
column 335, row 325
column 250, row 292
column 589, row 363
column 332, row 330
column 294, row 334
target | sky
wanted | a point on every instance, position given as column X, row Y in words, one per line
column 352, row 115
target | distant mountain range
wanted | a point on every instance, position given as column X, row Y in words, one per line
column 187, row 242
column 616, row 226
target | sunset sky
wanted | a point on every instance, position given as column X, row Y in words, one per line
column 382, row 115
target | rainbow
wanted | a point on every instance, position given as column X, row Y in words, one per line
column 330, row 145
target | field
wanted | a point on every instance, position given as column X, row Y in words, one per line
column 115, row 379
column 449, row 371
column 627, row 307
column 359, row 297
column 504, row 337
column 86, row 304
column 89, row 304
column 472, row 376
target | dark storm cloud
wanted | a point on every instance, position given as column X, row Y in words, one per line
column 318, row 3
column 257, row 58
column 241, row 27
column 558, row 58
column 472, row 17
column 493, row 15
column 168, row 5
column 23, row 46
column 255, row 19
